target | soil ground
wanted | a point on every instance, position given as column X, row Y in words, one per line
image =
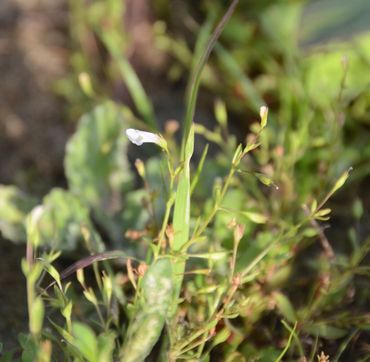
column 33, row 54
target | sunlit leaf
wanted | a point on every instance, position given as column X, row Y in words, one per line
column 96, row 165
column 60, row 222
column 14, row 206
column 255, row 217
column 85, row 341
column 37, row 315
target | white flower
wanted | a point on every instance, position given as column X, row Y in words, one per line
column 263, row 114
column 139, row 137
column 36, row 214
column 32, row 224
column 263, row 111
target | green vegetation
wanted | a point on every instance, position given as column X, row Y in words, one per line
column 194, row 255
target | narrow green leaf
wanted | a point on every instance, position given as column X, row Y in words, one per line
column 196, row 176
column 67, row 311
column 221, row 113
column 313, row 206
column 285, row 350
column 285, row 307
column 141, row 100
column 90, row 296
column 181, row 219
column 194, row 82
column 233, row 69
column 84, row 80
column 325, row 331
column 255, row 217
column 341, row 181
column 216, row 255
column 265, row 180
column 322, row 212
column 52, row 271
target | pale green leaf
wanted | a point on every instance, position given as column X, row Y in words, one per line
column 255, row 217
column 14, row 206
column 96, row 165
column 60, row 221
column 37, row 315
column 85, row 341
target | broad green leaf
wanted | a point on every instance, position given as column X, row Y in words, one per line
column 29, row 346
column 135, row 214
column 60, row 221
column 157, row 285
column 85, row 341
column 326, row 71
column 96, row 164
column 282, row 33
column 147, row 332
column 147, row 323
column 97, row 168
column 14, row 206
column 234, row 200
column 325, row 331
column 106, row 346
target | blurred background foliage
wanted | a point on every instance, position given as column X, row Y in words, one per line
column 309, row 62
column 270, row 52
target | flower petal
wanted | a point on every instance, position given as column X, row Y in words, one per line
column 139, row 137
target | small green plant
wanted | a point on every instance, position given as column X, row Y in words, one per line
column 191, row 257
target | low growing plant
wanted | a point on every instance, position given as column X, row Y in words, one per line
column 188, row 258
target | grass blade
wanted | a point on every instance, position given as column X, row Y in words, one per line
column 194, row 82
